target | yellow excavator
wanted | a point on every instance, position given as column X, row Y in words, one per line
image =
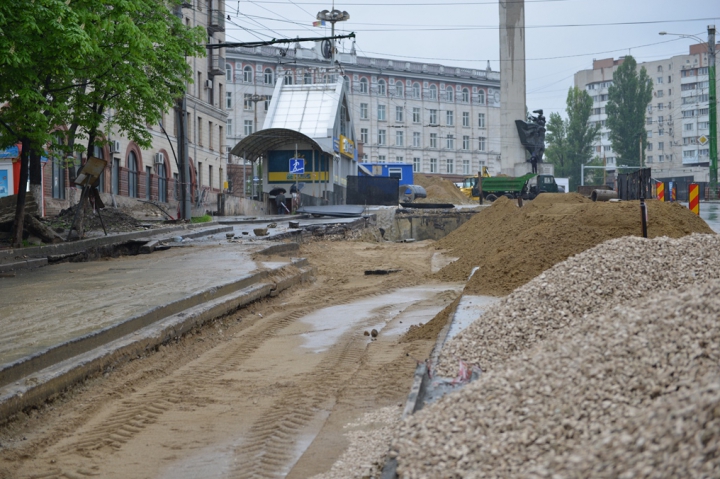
column 470, row 182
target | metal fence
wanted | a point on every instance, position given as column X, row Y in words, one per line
column 372, row 190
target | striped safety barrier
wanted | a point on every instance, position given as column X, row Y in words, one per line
column 660, row 190
column 694, row 198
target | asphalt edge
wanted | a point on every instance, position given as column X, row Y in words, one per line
column 46, row 383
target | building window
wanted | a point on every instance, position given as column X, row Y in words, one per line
column 363, row 85
column 162, row 182
column 481, row 120
column 433, row 140
column 228, row 73
column 416, row 115
column 416, row 139
column 466, row 142
column 649, row 121
column 416, row 90
column 466, row 167
column 399, row 138
column 248, row 74
column 466, row 118
column 416, row 164
column 450, row 117
column 433, row 117
column 228, row 100
column 247, row 101
column 433, row 165
column 481, row 143
column 659, row 80
column 399, row 114
column 363, row 135
column 382, row 90
column 649, row 147
column 660, row 106
column 689, row 127
column 381, row 113
column 248, row 130
column 465, row 95
column 432, row 92
column 148, row 182
column 288, row 78
column 398, row 159
column 449, row 166
column 399, row 89
column 659, row 93
column 450, row 142
column 481, row 97
column 381, row 137
column 649, row 133
column 132, row 167
column 269, row 77
column 381, row 158
column 450, row 94
column 307, row 78
column 228, row 128
column 268, row 99
column 363, row 111
column 661, row 145
column 661, row 158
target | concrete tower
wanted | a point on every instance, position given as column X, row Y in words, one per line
column 512, row 85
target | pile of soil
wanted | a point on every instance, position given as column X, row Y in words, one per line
column 512, row 245
column 115, row 220
column 440, row 190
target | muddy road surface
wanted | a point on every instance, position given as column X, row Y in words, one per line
column 265, row 392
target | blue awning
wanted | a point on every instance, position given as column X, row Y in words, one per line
column 12, row 152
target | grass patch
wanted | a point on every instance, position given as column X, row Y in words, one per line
column 201, row 219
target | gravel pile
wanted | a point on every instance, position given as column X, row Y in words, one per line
column 611, row 273
column 631, row 391
column 369, row 439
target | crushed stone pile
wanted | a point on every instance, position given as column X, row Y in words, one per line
column 614, row 272
column 512, row 245
column 440, row 190
column 632, row 391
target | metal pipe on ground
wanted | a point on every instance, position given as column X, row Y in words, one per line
column 603, row 195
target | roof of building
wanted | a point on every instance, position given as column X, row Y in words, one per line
column 253, row 146
column 310, row 109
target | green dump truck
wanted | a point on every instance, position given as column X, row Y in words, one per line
column 526, row 187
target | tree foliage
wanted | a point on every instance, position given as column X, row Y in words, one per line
column 629, row 96
column 66, row 64
column 570, row 141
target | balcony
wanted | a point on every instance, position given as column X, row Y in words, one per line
column 216, row 21
column 216, row 65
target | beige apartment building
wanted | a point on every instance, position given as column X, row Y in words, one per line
column 441, row 119
column 677, row 119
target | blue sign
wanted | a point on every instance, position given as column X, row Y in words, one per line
column 297, row 166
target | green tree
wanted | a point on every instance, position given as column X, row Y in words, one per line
column 629, row 96
column 570, row 141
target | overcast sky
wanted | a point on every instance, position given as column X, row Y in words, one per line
column 465, row 32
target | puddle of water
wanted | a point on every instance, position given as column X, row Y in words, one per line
column 411, row 317
column 329, row 324
column 469, row 309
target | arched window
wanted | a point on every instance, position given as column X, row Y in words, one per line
column 288, row 78
column 450, row 93
column 269, row 80
column 416, row 90
column 382, row 90
column 248, row 74
column 432, row 92
column 162, row 182
column 399, row 89
column 465, row 95
column 481, row 97
column 132, row 167
column 363, row 85
column 228, row 72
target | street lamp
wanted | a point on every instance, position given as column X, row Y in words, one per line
column 713, row 103
column 333, row 16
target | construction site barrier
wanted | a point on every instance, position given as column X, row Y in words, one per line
column 660, row 190
column 694, row 198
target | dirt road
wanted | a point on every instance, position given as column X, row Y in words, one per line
column 263, row 393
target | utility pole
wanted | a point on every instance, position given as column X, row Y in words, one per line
column 640, row 151
column 333, row 17
column 713, row 113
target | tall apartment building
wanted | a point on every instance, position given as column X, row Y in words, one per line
column 677, row 116
column 441, row 119
column 152, row 173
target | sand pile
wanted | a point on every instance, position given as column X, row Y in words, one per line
column 440, row 190
column 574, row 386
column 512, row 245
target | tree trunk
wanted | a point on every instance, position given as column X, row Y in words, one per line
column 79, row 225
column 17, row 231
